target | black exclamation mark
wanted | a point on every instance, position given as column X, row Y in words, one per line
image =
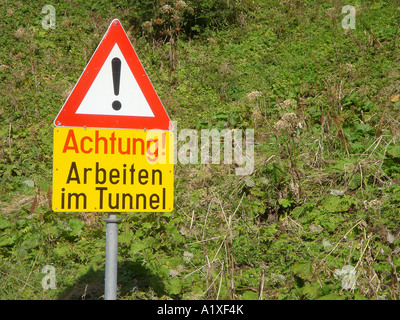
column 116, row 73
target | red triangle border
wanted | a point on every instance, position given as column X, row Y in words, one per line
column 68, row 117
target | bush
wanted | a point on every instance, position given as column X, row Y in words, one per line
column 173, row 17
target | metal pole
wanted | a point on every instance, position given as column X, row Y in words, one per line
column 110, row 287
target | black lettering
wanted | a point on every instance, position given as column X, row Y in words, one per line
column 132, row 171
column 62, row 198
column 155, row 201
column 143, row 196
column 153, row 182
column 114, row 173
column 124, row 196
column 100, row 170
column 77, row 197
column 101, row 189
column 85, row 171
column 143, row 176
column 124, row 174
column 110, row 205
column 163, row 197
column 73, row 170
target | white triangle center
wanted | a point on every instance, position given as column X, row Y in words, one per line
column 100, row 96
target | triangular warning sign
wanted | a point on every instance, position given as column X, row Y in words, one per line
column 114, row 90
column 132, row 102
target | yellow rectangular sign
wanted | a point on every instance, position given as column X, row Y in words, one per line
column 112, row 170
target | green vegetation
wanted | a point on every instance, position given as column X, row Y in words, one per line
column 323, row 200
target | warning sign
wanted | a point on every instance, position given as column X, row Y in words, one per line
column 112, row 170
column 114, row 90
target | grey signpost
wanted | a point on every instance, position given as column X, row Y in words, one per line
column 110, row 280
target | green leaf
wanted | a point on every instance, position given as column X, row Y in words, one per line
column 6, row 242
column 286, row 203
column 355, row 182
column 62, row 251
column 148, row 241
column 138, row 246
column 336, row 204
column 394, row 151
column 125, row 237
column 268, row 233
column 303, row 269
column 311, row 290
column 4, row 224
column 173, row 286
column 139, row 233
column 147, row 225
column 167, row 214
column 76, row 226
column 249, row 295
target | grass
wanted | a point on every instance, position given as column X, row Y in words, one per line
column 324, row 193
